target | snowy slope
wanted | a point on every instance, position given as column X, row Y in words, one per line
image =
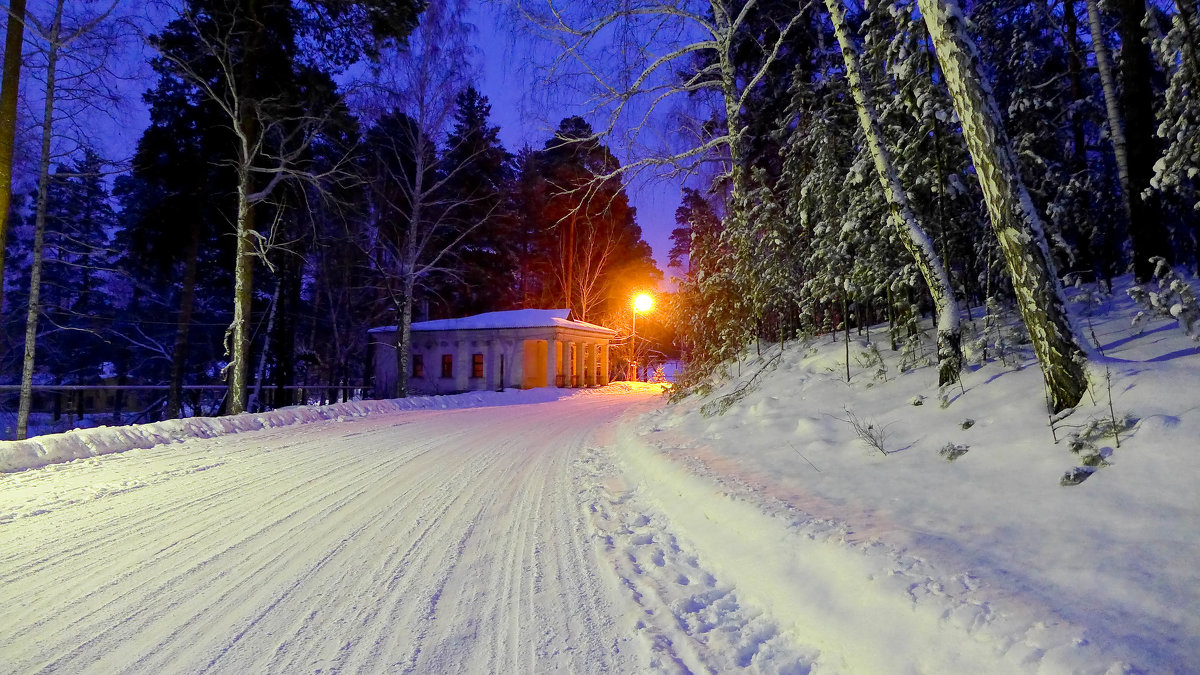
column 912, row 563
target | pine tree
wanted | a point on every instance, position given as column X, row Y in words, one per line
column 1147, row 229
column 1178, row 169
column 588, row 227
column 480, row 173
column 78, row 270
column 1049, row 118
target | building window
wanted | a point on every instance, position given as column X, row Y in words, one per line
column 418, row 365
column 447, row 365
column 477, row 365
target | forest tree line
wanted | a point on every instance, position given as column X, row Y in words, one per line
column 893, row 159
column 269, row 216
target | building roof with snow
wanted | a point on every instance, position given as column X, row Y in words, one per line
column 516, row 318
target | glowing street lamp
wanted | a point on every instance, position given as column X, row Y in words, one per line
column 642, row 303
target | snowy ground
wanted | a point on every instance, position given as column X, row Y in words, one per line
column 602, row 531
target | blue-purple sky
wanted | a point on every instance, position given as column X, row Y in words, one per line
column 525, row 111
column 528, row 115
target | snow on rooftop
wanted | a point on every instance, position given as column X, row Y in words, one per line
column 517, row 318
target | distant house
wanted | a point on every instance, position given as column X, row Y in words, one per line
column 523, row 348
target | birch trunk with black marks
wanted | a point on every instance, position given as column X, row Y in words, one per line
column 1112, row 104
column 39, row 226
column 904, row 218
column 408, row 297
column 1015, row 221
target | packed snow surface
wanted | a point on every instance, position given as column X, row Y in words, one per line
column 605, row 531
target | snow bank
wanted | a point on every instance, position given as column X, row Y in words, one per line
column 907, row 562
column 80, row 443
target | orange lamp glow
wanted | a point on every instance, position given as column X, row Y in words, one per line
column 642, row 302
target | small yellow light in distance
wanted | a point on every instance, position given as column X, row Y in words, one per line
column 643, row 302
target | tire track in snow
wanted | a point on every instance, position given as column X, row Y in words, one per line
column 209, row 570
column 297, row 549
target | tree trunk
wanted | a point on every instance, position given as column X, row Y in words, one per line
column 1088, row 254
column 183, row 326
column 8, row 120
column 39, row 228
column 409, row 280
column 256, row 399
column 569, row 285
column 247, row 131
column 1014, row 219
column 916, row 241
column 1116, row 124
column 284, row 339
column 846, row 335
column 404, row 344
column 1147, row 233
column 238, row 339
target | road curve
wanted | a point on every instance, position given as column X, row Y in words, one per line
column 427, row 541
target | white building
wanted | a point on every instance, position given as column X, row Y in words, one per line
column 523, row 348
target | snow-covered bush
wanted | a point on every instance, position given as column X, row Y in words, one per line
column 952, row 451
column 1169, row 295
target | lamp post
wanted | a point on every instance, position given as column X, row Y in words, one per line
column 642, row 302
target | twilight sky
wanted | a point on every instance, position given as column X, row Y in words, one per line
column 526, row 115
column 524, row 110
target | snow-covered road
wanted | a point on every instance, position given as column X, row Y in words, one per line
column 526, row 535
column 427, row 541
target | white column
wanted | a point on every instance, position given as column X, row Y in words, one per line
column 490, row 371
column 603, row 363
column 579, row 372
column 551, row 362
column 567, row 362
column 589, row 368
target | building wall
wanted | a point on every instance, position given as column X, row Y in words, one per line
column 512, row 357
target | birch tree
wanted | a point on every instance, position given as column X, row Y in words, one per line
column 62, row 39
column 903, row 217
column 418, row 223
column 1016, row 223
column 1112, row 109
column 55, row 41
